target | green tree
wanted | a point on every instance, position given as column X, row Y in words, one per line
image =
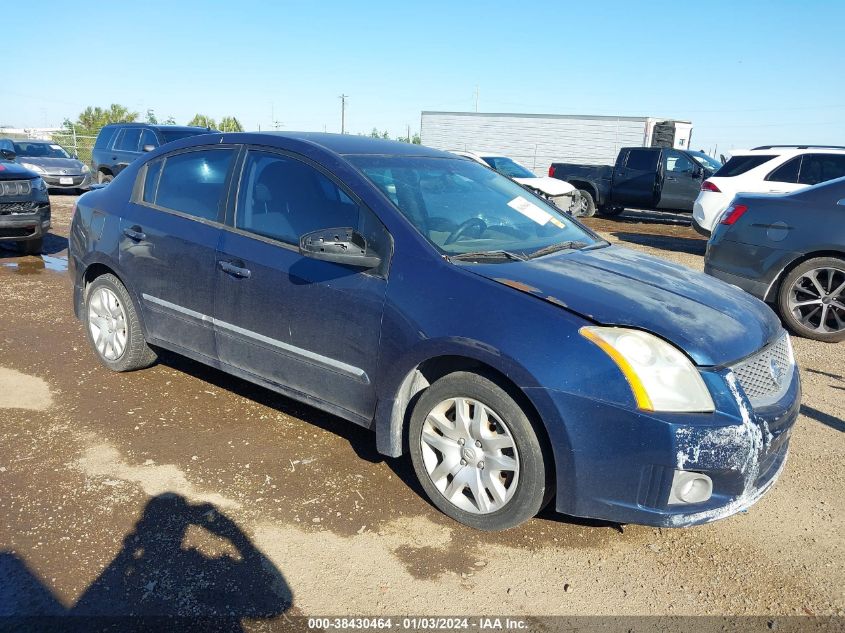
column 151, row 117
column 91, row 119
column 201, row 120
column 170, row 120
column 230, row 124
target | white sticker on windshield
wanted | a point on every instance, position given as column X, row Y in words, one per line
column 530, row 210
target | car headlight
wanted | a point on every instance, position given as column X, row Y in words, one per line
column 85, row 168
column 661, row 377
column 35, row 168
column 39, row 184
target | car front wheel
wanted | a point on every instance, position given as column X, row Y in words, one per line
column 812, row 299
column 476, row 454
column 114, row 330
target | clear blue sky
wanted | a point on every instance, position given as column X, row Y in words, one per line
column 744, row 72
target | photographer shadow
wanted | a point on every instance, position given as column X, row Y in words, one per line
column 161, row 578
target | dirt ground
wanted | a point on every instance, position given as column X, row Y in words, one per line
column 180, row 489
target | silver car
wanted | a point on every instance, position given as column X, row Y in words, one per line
column 54, row 164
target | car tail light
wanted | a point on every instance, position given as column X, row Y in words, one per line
column 551, row 171
column 733, row 213
column 709, row 186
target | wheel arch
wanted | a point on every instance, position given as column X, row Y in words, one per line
column 98, row 268
column 586, row 186
column 771, row 295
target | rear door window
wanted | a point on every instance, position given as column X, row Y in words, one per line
column 192, row 182
column 788, row 172
column 817, row 168
column 128, row 141
column 642, row 160
column 740, row 164
column 104, row 137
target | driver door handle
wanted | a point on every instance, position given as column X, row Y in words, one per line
column 135, row 233
column 233, row 269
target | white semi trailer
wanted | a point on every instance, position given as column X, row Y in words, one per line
column 538, row 140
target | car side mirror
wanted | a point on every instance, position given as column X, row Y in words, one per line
column 75, row 156
column 8, row 154
column 339, row 245
column 148, row 148
column 697, row 171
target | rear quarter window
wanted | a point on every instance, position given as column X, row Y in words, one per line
column 740, row 164
column 788, row 172
column 104, row 137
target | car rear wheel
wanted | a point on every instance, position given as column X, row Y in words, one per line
column 587, row 206
column 476, row 454
column 114, row 330
column 812, row 299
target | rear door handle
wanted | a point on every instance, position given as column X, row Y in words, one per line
column 135, row 233
column 234, row 270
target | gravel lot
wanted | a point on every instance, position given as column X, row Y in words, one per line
column 276, row 506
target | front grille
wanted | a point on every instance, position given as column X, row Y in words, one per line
column 15, row 187
column 766, row 375
column 15, row 208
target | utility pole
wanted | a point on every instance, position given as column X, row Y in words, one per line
column 476, row 98
column 343, row 99
column 409, row 132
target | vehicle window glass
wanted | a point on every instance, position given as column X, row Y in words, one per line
column 194, row 182
column 7, row 145
column 737, row 165
column 283, row 198
column 788, row 172
column 148, row 137
column 508, row 167
column 128, row 142
column 175, row 135
column 817, row 168
column 642, row 160
column 104, row 137
column 460, row 206
column 151, row 180
column 40, row 150
column 678, row 163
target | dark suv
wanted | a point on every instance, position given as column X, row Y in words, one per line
column 24, row 205
column 119, row 144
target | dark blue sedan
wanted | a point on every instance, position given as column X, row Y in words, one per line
column 514, row 354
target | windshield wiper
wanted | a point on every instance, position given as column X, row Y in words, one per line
column 561, row 246
column 477, row 255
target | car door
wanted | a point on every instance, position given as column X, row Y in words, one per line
column 169, row 236
column 125, row 148
column 309, row 326
column 635, row 178
column 681, row 181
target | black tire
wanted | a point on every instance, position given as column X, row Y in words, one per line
column 831, row 276
column 136, row 353
column 33, row 247
column 105, row 178
column 610, row 211
column 588, row 205
column 532, row 490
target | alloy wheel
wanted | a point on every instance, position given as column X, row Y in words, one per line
column 817, row 300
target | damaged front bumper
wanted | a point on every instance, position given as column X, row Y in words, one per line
column 21, row 226
column 632, row 474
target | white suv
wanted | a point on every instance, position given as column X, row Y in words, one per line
column 768, row 169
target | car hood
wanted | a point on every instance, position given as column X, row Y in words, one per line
column 549, row 186
column 13, row 171
column 713, row 322
column 53, row 165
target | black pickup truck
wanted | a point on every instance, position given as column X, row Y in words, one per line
column 657, row 178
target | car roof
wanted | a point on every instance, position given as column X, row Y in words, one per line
column 33, row 140
column 178, row 128
column 788, row 150
column 340, row 143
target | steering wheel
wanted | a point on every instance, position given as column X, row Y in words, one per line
column 455, row 235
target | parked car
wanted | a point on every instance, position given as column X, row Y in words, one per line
column 24, row 203
column 562, row 194
column 656, row 178
column 788, row 250
column 56, row 166
column 514, row 354
column 768, row 169
column 118, row 144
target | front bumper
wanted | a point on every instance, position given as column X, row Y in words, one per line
column 621, row 463
column 77, row 181
column 21, row 227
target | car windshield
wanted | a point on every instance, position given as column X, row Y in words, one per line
column 462, row 207
column 706, row 161
column 508, row 167
column 40, row 150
